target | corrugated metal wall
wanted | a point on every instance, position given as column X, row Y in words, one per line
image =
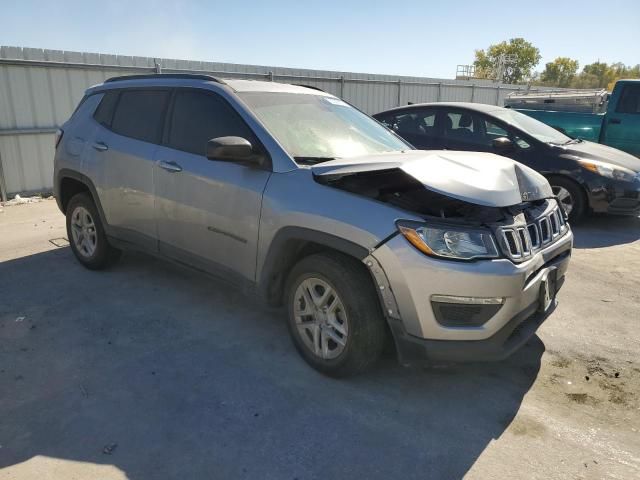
column 40, row 88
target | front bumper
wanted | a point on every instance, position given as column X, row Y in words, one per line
column 614, row 197
column 513, row 335
column 415, row 278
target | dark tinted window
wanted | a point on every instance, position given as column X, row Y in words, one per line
column 461, row 128
column 459, row 123
column 493, row 131
column 104, row 112
column 629, row 100
column 417, row 126
column 139, row 114
column 198, row 117
column 386, row 120
column 416, row 122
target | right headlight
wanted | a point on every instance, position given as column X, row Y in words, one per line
column 454, row 242
column 609, row 170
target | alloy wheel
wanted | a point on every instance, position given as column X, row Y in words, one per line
column 83, row 231
column 320, row 318
column 565, row 197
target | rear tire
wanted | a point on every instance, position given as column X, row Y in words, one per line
column 334, row 314
column 86, row 234
column 571, row 197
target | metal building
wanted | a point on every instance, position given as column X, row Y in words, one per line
column 40, row 88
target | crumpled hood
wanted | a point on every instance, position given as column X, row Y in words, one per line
column 597, row 151
column 480, row 178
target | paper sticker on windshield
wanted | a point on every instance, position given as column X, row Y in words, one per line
column 335, row 101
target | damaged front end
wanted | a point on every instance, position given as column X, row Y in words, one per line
column 474, row 205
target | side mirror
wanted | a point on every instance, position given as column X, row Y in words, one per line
column 502, row 145
column 233, row 149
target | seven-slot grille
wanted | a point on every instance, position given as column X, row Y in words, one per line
column 522, row 242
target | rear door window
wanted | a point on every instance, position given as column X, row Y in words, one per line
column 139, row 114
column 415, row 126
column 629, row 100
column 198, row 117
column 461, row 129
column 460, row 123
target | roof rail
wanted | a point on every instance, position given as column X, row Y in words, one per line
column 186, row 76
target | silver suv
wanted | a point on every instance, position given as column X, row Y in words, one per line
column 293, row 194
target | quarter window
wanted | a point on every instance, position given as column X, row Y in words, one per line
column 139, row 114
column 198, row 117
column 104, row 112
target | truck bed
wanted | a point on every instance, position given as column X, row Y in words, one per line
column 575, row 124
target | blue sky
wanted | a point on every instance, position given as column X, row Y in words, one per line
column 424, row 38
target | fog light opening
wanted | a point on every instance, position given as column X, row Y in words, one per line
column 465, row 312
column 468, row 300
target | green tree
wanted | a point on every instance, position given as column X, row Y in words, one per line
column 560, row 72
column 602, row 75
column 620, row 70
column 599, row 73
column 585, row 80
column 526, row 58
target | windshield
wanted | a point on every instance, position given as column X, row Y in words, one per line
column 531, row 126
column 315, row 128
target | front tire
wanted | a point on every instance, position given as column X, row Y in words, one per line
column 86, row 234
column 334, row 314
column 571, row 197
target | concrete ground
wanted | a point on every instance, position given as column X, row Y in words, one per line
column 151, row 371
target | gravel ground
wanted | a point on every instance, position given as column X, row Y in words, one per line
column 151, row 371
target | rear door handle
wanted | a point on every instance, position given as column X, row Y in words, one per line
column 172, row 167
column 615, row 121
column 100, row 146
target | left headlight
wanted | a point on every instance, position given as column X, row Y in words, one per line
column 460, row 243
column 609, row 170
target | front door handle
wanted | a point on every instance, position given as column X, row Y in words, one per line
column 100, row 146
column 172, row 167
column 615, row 121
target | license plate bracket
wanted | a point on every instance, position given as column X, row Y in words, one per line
column 548, row 289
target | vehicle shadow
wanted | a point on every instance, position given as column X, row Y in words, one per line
column 164, row 373
column 599, row 231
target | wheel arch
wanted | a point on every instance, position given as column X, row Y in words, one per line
column 290, row 245
column 69, row 183
column 582, row 187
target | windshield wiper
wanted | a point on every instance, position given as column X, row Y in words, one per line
column 312, row 160
column 571, row 141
